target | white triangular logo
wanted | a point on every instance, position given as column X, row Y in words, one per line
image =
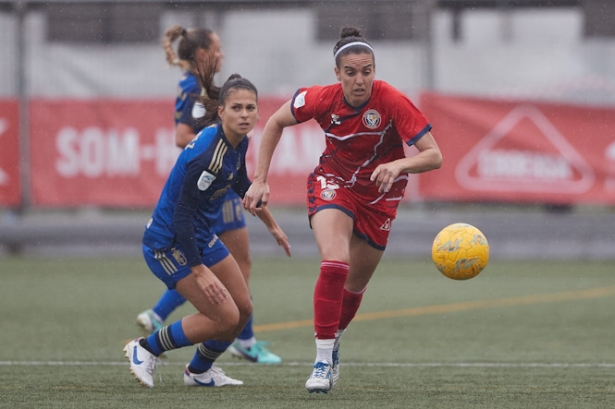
column 386, row 226
column 559, row 169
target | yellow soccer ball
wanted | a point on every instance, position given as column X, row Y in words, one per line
column 460, row 251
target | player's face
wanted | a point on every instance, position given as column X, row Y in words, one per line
column 356, row 73
column 238, row 114
column 215, row 51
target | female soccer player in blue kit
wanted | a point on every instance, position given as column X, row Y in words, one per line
column 181, row 248
column 354, row 192
column 202, row 46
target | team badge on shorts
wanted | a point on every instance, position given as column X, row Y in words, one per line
column 371, row 119
column 327, row 194
column 179, row 257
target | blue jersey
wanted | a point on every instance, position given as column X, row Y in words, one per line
column 187, row 110
column 193, row 196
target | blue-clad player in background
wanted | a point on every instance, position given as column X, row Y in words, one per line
column 181, row 248
column 202, row 46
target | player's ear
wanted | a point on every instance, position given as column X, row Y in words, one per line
column 337, row 73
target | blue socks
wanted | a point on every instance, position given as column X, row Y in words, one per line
column 206, row 354
column 247, row 332
column 168, row 302
column 168, row 338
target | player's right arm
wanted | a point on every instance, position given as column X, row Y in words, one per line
column 184, row 134
column 259, row 191
column 196, row 181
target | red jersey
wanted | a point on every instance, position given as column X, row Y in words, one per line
column 359, row 139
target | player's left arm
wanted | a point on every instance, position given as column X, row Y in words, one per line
column 241, row 185
column 276, row 231
column 428, row 158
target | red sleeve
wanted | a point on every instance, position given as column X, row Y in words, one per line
column 409, row 121
column 305, row 103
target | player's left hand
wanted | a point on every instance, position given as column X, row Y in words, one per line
column 384, row 176
column 281, row 238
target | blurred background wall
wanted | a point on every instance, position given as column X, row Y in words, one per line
column 560, row 50
column 521, row 94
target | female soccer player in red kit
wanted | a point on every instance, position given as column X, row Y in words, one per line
column 354, row 192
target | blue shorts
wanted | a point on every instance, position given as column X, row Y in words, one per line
column 170, row 265
column 232, row 216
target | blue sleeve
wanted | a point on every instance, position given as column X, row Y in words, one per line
column 185, row 113
column 184, row 105
column 185, row 210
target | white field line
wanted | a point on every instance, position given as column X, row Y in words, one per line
column 357, row 364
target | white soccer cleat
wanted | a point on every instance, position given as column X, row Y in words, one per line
column 335, row 368
column 320, row 380
column 142, row 362
column 211, row 378
column 149, row 322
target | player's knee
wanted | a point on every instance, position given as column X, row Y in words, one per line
column 245, row 310
column 229, row 322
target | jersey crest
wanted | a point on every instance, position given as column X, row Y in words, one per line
column 371, row 119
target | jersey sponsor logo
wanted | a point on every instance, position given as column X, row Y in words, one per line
column 328, row 194
column 300, row 100
column 179, row 257
column 371, row 119
column 198, row 110
column 205, row 180
column 219, row 193
column 386, row 226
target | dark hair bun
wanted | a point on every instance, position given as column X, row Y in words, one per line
column 233, row 77
column 350, row 32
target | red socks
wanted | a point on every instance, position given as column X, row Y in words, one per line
column 350, row 304
column 328, row 296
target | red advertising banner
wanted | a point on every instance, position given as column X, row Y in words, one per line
column 295, row 157
column 520, row 151
column 118, row 153
column 100, row 152
column 10, row 186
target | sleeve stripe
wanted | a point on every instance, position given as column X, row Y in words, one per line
column 217, row 159
column 419, row 135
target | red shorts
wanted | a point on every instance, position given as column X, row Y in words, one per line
column 372, row 218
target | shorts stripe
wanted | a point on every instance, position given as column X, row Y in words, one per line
column 228, row 211
column 166, row 264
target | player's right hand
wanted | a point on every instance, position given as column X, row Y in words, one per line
column 256, row 196
column 209, row 284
